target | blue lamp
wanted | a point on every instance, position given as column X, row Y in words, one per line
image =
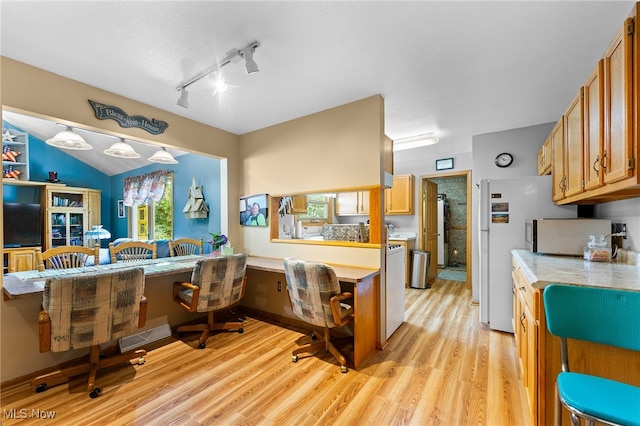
column 97, row 232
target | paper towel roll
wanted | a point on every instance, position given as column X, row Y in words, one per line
column 298, row 229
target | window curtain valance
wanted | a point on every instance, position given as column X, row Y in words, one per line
column 137, row 189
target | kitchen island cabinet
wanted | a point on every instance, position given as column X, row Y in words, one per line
column 539, row 351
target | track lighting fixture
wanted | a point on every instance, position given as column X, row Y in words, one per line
column 121, row 150
column 233, row 55
column 183, row 100
column 68, row 139
column 163, row 156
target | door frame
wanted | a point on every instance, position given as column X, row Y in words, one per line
column 467, row 174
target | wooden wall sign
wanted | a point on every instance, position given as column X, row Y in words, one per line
column 104, row 112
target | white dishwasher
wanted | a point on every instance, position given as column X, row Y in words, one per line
column 393, row 291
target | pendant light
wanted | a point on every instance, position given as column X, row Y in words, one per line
column 68, row 139
column 121, row 150
column 163, row 156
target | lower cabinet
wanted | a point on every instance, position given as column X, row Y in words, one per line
column 539, row 352
column 19, row 259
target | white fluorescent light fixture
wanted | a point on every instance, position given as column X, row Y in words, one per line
column 233, row 55
column 163, row 156
column 415, row 141
column 68, row 139
column 121, row 150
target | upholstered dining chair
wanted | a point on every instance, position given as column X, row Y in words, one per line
column 601, row 315
column 65, row 257
column 185, row 246
column 317, row 299
column 216, row 283
column 86, row 310
column 131, row 251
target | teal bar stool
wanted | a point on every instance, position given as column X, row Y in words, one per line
column 606, row 316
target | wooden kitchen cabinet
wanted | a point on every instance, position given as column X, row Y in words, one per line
column 558, row 177
column 594, row 128
column 299, row 204
column 526, row 325
column 399, row 198
column 618, row 61
column 352, row 203
column 611, row 142
column 19, row 259
column 544, row 158
column 573, row 147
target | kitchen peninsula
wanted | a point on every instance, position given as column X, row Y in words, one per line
column 539, row 351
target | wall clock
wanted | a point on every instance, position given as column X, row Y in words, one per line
column 504, row 160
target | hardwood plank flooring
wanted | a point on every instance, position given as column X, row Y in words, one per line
column 441, row 367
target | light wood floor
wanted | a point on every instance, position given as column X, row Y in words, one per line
column 440, row 368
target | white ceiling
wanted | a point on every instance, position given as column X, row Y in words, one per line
column 456, row 68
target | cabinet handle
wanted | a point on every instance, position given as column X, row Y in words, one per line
column 522, row 318
column 603, row 162
column 523, row 289
column 595, row 163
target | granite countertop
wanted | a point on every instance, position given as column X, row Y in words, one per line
column 542, row 270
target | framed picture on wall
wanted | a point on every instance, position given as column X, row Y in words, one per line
column 254, row 210
column 444, row 164
column 121, row 210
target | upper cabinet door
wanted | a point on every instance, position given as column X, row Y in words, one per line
column 573, row 148
column 594, row 128
column 618, row 129
column 558, row 177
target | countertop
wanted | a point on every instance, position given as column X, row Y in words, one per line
column 542, row 270
column 402, row 236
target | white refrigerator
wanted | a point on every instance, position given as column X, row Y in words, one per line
column 505, row 205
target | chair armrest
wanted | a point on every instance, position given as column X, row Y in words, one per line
column 44, row 329
column 177, row 285
column 335, row 308
column 142, row 317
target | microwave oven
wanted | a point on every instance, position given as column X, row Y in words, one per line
column 563, row 236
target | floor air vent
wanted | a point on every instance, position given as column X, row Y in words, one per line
column 147, row 336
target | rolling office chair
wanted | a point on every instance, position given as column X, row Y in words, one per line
column 131, row 251
column 316, row 298
column 65, row 257
column 86, row 310
column 605, row 316
column 185, row 246
column 216, row 283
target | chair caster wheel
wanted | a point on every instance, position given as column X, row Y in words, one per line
column 241, row 330
column 343, row 368
column 141, row 360
column 314, row 337
column 41, row 388
column 180, row 335
column 202, row 345
column 95, row 393
column 294, row 358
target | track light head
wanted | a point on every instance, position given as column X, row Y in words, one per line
column 183, row 100
column 249, row 64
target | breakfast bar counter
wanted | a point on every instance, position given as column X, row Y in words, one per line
column 541, row 270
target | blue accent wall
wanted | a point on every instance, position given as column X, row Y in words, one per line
column 206, row 171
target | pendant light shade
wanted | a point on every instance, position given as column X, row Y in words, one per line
column 162, row 156
column 121, row 150
column 68, row 139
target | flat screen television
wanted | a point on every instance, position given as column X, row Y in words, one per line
column 22, row 225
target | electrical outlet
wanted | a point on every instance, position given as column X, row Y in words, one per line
column 279, row 286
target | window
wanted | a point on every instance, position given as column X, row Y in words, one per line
column 318, row 210
column 154, row 219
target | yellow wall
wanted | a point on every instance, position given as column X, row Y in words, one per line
column 337, row 148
